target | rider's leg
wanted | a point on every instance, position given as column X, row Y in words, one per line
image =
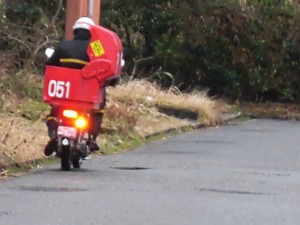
column 96, row 118
column 52, row 128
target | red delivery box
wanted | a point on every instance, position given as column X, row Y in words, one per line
column 105, row 52
column 80, row 88
column 66, row 87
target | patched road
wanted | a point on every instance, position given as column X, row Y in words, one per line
column 238, row 174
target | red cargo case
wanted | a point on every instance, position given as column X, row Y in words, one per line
column 66, row 87
column 80, row 89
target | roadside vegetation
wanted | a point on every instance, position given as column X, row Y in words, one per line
column 132, row 109
column 239, row 49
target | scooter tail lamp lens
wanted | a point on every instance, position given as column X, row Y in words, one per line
column 81, row 123
column 70, row 113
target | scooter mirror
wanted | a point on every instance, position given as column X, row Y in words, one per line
column 49, row 52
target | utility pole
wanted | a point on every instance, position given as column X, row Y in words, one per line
column 79, row 8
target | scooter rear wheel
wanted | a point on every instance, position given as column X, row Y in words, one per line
column 65, row 159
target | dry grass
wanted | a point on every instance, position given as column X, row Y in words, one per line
column 286, row 111
column 147, row 95
column 20, row 140
column 120, row 117
column 131, row 108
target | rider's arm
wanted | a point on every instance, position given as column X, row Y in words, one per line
column 54, row 60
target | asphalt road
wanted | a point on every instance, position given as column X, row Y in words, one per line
column 238, row 174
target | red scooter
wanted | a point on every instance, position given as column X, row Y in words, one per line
column 72, row 137
column 75, row 92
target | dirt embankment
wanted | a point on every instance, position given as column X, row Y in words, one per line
column 21, row 140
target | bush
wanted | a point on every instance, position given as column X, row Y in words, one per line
column 248, row 51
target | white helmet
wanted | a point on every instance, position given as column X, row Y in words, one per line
column 83, row 23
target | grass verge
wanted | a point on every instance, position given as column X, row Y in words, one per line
column 131, row 117
column 117, row 144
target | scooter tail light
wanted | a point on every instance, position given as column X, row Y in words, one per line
column 68, row 113
column 81, row 123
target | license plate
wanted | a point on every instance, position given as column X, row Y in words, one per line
column 69, row 132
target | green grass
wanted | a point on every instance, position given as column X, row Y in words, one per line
column 33, row 110
column 118, row 143
column 19, row 169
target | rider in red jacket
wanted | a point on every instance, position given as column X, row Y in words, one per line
column 73, row 54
